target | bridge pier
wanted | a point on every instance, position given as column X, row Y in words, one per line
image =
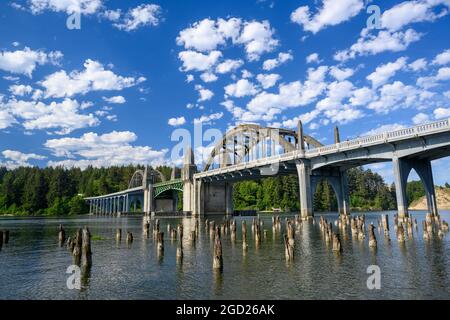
column 402, row 168
column 305, row 191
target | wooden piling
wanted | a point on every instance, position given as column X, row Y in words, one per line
column 180, row 251
column 192, row 238
column 129, row 238
column 173, row 234
column 86, row 248
column 244, row 235
column 118, row 235
column 5, row 236
column 288, row 249
column 401, row 233
column 180, row 231
column 160, row 242
column 233, row 231
column 290, row 233
column 336, row 243
column 372, row 238
column 61, row 235
column 78, row 242
column 218, row 259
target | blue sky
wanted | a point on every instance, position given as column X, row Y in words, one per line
column 113, row 91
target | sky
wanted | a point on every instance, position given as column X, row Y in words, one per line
column 110, row 82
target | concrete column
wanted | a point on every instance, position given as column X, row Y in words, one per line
column 401, row 172
column 127, row 204
column 425, row 172
column 345, row 210
column 229, row 199
column 305, row 192
column 198, row 198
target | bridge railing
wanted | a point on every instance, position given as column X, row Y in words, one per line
column 419, row 130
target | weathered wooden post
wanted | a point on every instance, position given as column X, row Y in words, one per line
column 173, row 234
column 77, row 247
column 160, row 243
column 61, row 235
column 372, row 238
column 244, row 235
column 180, row 251
column 288, row 249
column 118, row 235
column 180, row 231
column 86, row 248
column 257, row 233
column 212, row 228
column 146, row 228
column 385, row 220
column 129, row 238
column 233, row 231
column 290, row 233
column 217, row 260
column 5, row 236
column 156, row 229
column 336, row 243
column 192, row 238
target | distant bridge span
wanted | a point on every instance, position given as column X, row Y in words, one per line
column 253, row 152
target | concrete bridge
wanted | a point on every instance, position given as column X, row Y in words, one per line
column 253, row 152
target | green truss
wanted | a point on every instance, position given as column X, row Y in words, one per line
column 162, row 187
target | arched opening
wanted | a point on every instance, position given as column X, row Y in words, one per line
column 324, row 197
column 416, row 191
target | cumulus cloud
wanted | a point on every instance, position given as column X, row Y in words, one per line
column 208, row 119
column 143, row 15
column 25, row 61
column 441, row 113
column 20, row 90
column 241, row 88
column 313, row 57
column 109, row 149
column 341, row 74
column 115, row 100
column 418, row 65
column 93, row 78
column 17, row 159
column 268, row 80
column 386, row 71
column 68, row 6
column 331, row 13
column 369, row 44
column 208, row 77
column 409, row 12
column 196, row 61
column 283, row 57
column 229, row 65
column 204, row 94
column 174, row 122
column 442, row 58
column 207, row 35
column 443, row 74
column 63, row 116
column 384, row 128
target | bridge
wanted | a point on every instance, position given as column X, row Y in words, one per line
column 252, row 152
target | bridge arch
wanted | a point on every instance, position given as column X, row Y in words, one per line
column 140, row 177
column 252, row 141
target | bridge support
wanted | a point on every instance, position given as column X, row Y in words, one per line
column 339, row 182
column 305, row 191
column 402, row 168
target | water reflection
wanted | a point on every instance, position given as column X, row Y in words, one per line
column 33, row 264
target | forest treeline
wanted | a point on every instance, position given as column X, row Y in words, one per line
column 59, row 191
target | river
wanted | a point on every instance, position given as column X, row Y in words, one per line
column 33, row 266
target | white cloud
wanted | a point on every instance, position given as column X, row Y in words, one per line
column 204, row 94
column 207, row 35
column 441, row 113
column 109, row 149
column 305, row 118
column 25, row 61
column 229, row 65
column 313, row 57
column 257, row 38
column 197, row 61
column 385, row 40
column 19, row 159
column 6, row 119
column 111, row 15
column 386, row 71
column 189, row 78
column 266, row 105
column 20, row 90
column 447, row 94
column 208, row 118
column 361, row 96
column 208, row 77
column 442, row 58
column 341, row 74
column 242, row 88
column 443, row 74
column 273, row 63
column 68, row 6
column 384, row 128
column 174, row 122
column 418, row 65
column 115, row 100
column 93, row 78
column 63, row 116
column 143, row 15
column 268, row 80
column 331, row 13
column 420, row 118
column 409, row 12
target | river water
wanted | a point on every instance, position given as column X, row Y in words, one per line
column 33, row 266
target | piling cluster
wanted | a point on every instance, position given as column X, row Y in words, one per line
column 79, row 245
